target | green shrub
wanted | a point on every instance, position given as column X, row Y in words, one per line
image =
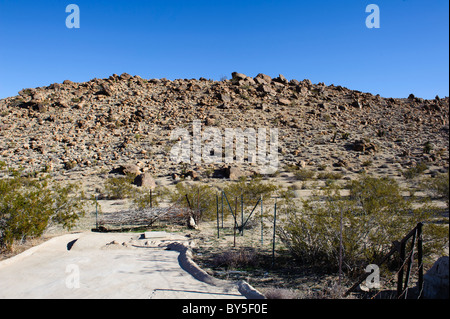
column 119, row 187
column 373, row 216
column 427, row 148
column 200, row 198
column 415, row 171
column 142, row 197
column 304, row 175
column 28, row 205
column 438, row 187
column 329, row 175
column 250, row 190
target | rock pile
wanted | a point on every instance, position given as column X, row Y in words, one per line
column 104, row 123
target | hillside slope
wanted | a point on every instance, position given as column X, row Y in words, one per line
column 102, row 123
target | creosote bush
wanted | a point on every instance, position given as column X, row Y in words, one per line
column 119, row 187
column 200, row 198
column 373, row 216
column 415, row 171
column 250, row 190
column 28, row 205
column 437, row 187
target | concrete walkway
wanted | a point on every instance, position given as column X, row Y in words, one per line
column 96, row 265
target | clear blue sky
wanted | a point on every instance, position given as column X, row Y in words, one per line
column 324, row 41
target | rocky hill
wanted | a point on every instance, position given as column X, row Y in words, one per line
column 100, row 124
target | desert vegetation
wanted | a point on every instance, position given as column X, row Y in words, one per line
column 372, row 217
column 29, row 203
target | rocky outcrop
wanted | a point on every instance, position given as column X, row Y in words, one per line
column 100, row 124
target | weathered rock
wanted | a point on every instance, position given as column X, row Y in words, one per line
column 238, row 76
column 281, row 79
column 233, row 173
column 191, row 223
column 145, row 180
column 436, row 280
column 264, row 78
column 126, row 169
column 363, row 146
column 266, row 89
column 357, row 104
column 284, row 101
column 71, row 121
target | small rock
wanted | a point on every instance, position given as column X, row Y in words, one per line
column 284, row 101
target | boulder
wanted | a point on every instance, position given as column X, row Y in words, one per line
column 266, row 89
column 436, row 280
column 363, row 146
column 145, row 180
column 233, row 173
column 263, row 78
column 126, row 169
column 281, row 79
column 238, row 76
column 284, row 101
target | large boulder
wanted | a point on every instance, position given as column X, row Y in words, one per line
column 126, row 169
column 145, row 180
column 263, row 79
column 436, row 280
column 233, row 173
column 363, row 146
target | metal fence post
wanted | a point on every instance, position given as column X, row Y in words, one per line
column 217, row 215
column 242, row 215
column 96, row 212
column 222, row 209
column 340, row 248
column 151, row 198
column 262, row 226
column 400, row 273
column 235, row 220
column 274, row 232
column 419, row 259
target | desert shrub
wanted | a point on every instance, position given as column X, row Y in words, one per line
column 200, row 198
column 427, row 147
column 303, row 174
column 240, row 258
column 415, row 171
column 373, row 216
column 250, row 190
column 28, row 205
column 141, row 197
column 119, row 187
column 329, row 175
column 437, row 187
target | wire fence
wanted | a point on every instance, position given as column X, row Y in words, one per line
column 407, row 260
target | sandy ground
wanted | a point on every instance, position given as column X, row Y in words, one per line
column 119, row 265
